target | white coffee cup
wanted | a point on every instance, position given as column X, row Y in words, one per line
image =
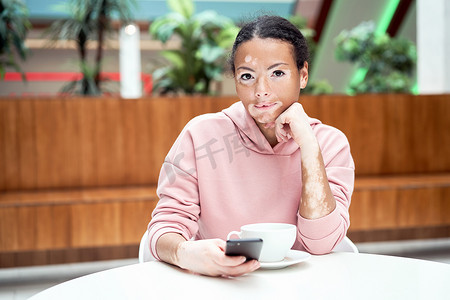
column 278, row 238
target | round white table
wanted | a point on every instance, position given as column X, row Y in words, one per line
column 333, row 276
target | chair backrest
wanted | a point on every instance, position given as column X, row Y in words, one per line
column 346, row 245
column 144, row 249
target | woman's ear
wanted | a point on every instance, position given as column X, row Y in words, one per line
column 304, row 75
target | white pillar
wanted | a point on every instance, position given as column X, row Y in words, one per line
column 433, row 46
column 130, row 62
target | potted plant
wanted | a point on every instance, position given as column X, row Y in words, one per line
column 89, row 20
column 390, row 62
column 14, row 26
column 205, row 39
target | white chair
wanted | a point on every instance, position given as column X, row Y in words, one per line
column 346, row 245
column 144, row 249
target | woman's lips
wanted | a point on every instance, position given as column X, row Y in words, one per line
column 265, row 106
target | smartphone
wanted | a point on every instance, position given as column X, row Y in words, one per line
column 250, row 248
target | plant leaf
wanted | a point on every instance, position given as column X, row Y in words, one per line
column 213, row 72
column 211, row 19
column 210, row 53
column 2, row 72
column 175, row 57
column 183, row 7
column 226, row 37
column 163, row 28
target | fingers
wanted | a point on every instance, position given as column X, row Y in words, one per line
column 208, row 257
column 230, row 261
column 285, row 119
column 220, row 243
column 221, row 259
column 282, row 128
column 241, row 269
column 292, row 123
column 233, row 265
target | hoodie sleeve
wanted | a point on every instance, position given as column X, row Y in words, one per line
column 178, row 208
column 320, row 236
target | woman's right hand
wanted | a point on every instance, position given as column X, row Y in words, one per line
column 206, row 257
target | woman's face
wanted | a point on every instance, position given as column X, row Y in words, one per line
column 267, row 79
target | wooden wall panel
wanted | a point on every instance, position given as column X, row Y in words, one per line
column 51, row 147
column 60, row 256
column 27, row 147
column 10, row 145
column 64, row 219
column 423, row 207
column 135, row 216
column 28, row 225
column 130, row 146
column 390, row 134
column 9, row 229
column 145, row 154
column 3, row 115
column 397, row 207
column 109, row 143
column 77, row 225
column 163, row 125
column 43, row 227
column 72, row 143
column 82, row 142
column 88, row 143
column 82, row 223
column 67, row 166
column 363, row 128
column 61, row 229
column 109, row 223
column 373, row 209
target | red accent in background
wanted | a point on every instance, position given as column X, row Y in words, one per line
column 71, row 76
column 322, row 18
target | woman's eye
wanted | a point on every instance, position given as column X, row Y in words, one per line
column 278, row 73
column 246, row 76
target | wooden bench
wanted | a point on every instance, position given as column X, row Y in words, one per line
column 401, row 148
column 78, row 175
column 400, row 207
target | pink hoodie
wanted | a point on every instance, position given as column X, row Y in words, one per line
column 221, row 173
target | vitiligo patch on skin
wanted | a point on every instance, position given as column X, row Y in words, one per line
column 250, row 59
column 314, row 190
column 287, row 73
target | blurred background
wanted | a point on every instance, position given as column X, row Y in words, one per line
column 93, row 93
column 322, row 22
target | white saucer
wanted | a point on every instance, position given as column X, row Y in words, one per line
column 293, row 257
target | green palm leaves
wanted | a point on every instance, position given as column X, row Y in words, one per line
column 205, row 39
column 89, row 20
column 14, row 26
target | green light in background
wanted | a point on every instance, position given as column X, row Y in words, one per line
column 358, row 77
column 387, row 16
column 415, row 89
column 382, row 26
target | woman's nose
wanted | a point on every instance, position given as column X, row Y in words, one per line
column 262, row 88
column 262, row 94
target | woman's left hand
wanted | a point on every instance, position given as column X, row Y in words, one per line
column 293, row 122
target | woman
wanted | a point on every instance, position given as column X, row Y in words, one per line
column 260, row 160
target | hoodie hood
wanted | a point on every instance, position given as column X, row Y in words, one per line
column 251, row 136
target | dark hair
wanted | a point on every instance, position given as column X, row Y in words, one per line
column 273, row 27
